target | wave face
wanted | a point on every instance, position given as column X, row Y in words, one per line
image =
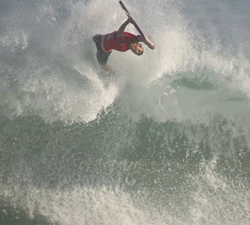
column 164, row 141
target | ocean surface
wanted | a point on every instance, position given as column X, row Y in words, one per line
column 164, row 141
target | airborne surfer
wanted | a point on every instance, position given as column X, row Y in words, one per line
column 120, row 41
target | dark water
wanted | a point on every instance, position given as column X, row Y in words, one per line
column 164, row 141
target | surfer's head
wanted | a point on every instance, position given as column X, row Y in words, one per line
column 136, row 48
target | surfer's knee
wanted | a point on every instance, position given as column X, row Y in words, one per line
column 96, row 37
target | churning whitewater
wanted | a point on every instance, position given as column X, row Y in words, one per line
column 166, row 140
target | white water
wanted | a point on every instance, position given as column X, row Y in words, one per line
column 197, row 78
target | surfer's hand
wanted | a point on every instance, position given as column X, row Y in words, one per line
column 130, row 20
column 151, row 46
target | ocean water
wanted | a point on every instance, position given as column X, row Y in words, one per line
column 166, row 140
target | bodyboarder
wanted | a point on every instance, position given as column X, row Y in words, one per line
column 118, row 40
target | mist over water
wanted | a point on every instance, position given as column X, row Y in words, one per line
column 163, row 141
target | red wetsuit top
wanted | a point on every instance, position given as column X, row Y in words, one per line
column 111, row 41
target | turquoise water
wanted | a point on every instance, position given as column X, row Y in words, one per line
column 164, row 141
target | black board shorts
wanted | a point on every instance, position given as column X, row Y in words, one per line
column 102, row 57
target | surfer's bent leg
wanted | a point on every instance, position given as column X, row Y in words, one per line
column 102, row 57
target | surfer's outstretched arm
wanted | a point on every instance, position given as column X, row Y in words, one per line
column 123, row 26
column 144, row 40
column 141, row 37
